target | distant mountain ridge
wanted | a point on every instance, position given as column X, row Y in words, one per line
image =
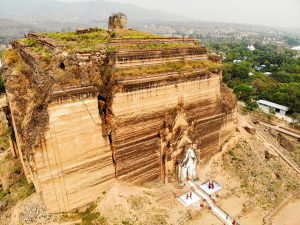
column 32, row 10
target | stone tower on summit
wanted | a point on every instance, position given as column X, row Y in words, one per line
column 117, row 21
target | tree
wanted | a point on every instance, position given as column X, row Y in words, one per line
column 244, row 92
column 241, row 70
column 227, row 72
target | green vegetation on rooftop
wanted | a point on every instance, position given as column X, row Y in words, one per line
column 83, row 42
column 124, row 33
column 41, row 50
column 93, row 40
column 155, row 46
column 182, row 66
column 99, row 38
column 64, row 37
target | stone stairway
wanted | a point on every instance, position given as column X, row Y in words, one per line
column 224, row 217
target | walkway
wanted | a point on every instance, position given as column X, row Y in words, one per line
column 282, row 130
column 224, row 217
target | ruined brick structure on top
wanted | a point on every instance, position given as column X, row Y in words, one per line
column 117, row 21
column 124, row 108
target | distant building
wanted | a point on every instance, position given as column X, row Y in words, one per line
column 251, row 47
column 266, row 106
column 258, row 68
column 296, row 48
column 237, row 61
column 268, row 73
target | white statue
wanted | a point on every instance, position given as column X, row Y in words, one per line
column 187, row 166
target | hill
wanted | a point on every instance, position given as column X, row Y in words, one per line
column 32, row 10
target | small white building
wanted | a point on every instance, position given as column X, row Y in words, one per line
column 296, row 48
column 267, row 73
column 237, row 61
column 251, row 47
column 266, row 106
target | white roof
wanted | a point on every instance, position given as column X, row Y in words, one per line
column 268, row 73
column 208, row 190
column 272, row 104
column 296, row 48
column 187, row 202
column 251, row 47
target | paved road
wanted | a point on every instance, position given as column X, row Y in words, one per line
column 224, row 217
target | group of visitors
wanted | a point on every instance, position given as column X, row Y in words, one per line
column 211, row 184
column 189, row 195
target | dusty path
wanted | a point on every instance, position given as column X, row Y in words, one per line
column 290, row 133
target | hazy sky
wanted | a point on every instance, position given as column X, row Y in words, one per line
column 284, row 13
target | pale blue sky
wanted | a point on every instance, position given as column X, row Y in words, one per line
column 284, row 13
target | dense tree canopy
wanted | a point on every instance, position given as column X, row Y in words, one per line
column 244, row 72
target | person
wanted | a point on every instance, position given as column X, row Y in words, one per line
column 212, row 184
column 234, row 222
column 187, row 196
column 191, row 195
column 209, row 185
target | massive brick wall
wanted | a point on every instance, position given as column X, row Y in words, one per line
column 82, row 154
column 139, row 116
column 74, row 165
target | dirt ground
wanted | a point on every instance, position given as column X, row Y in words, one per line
column 288, row 215
column 252, row 186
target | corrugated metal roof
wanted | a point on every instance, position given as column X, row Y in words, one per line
column 272, row 104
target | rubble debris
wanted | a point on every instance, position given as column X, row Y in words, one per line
column 250, row 130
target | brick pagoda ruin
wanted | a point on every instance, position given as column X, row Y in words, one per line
column 95, row 106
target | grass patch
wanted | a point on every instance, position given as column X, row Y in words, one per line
column 126, row 222
column 4, row 134
column 94, row 40
column 154, row 46
column 99, row 36
column 12, row 175
column 37, row 48
column 83, row 42
column 182, row 66
column 90, row 217
column 295, row 153
column 10, row 56
column 137, row 202
column 29, row 42
column 124, row 33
